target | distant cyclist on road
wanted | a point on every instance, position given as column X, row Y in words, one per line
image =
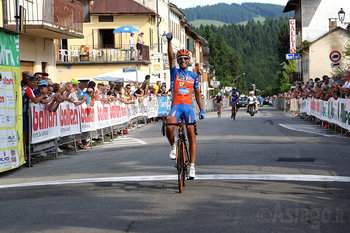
column 218, row 101
column 183, row 84
column 234, row 98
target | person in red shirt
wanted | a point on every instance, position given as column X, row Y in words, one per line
column 28, row 96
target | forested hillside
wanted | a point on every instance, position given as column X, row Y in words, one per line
column 250, row 48
column 234, row 13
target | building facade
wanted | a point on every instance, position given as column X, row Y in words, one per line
column 44, row 21
column 313, row 20
column 102, row 50
column 316, row 55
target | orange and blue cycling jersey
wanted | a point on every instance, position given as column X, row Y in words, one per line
column 183, row 83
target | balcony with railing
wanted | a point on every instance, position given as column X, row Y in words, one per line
column 55, row 19
column 88, row 54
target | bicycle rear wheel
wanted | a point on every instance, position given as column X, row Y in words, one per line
column 180, row 166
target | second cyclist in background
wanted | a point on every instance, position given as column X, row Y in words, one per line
column 218, row 101
column 234, row 98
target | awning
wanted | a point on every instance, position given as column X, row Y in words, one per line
column 129, row 76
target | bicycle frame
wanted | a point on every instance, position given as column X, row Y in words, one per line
column 181, row 162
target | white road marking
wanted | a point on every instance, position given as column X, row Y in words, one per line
column 312, row 129
column 263, row 177
column 125, row 141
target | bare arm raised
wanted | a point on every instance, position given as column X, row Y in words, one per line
column 171, row 54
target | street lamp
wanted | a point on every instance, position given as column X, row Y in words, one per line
column 341, row 15
column 233, row 81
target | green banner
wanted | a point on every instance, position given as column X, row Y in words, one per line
column 11, row 122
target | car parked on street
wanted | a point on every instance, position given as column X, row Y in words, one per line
column 243, row 101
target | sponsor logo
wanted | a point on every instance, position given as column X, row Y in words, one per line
column 6, row 57
column 344, row 115
column 7, row 81
column 44, row 119
column 182, row 84
column 69, row 116
column 87, row 115
column 184, row 91
column 13, row 156
column 11, row 138
column 2, row 99
column 102, row 113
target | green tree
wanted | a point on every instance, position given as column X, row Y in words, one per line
column 283, row 76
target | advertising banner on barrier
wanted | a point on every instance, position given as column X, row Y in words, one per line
column 344, row 113
column 152, row 108
column 11, row 109
column 302, row 106
column 87, row 116
column 69, row 119
column 333, row 111
column 115, row 113
column 45, row 124
column 163, row 106
column 102, row 114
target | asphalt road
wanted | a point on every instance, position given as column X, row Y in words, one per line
column 267, row 173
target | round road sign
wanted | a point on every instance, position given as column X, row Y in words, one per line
column 335, row 56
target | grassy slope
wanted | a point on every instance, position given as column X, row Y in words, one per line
column 198, row 22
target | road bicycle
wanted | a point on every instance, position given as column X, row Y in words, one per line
column 234, row 111
column 182, row 155
column 219, row 107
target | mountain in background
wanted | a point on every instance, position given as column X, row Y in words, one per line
column 234, row 13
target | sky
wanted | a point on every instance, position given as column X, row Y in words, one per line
column 194, row 3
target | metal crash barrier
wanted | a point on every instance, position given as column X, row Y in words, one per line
column 70, row 123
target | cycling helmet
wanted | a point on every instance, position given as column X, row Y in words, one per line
column 183, row 52
column 253, row 85
column 234, row 88
column 251, row 92
column 219, row 94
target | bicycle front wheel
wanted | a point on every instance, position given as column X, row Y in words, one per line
column 234, row 112
column 180, row 166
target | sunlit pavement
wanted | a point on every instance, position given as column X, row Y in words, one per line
column 264, row 177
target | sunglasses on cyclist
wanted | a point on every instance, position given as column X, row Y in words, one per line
column 183, row 58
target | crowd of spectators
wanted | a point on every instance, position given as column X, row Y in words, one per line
column 336, row 86
column 39, row 88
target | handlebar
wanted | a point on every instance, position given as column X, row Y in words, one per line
column 178, row 124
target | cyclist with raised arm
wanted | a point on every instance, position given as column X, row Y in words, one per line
column 234, row 98
column 183, row 84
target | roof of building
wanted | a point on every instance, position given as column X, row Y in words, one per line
column 177, row 10
column 120, row 7
column 291, row 5
column 326, row 34
column 194, row 34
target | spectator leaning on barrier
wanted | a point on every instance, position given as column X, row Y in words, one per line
column 28, row 96
column 91, row 84
column 75, row 83
column 39, row 75
column 157, row 86
column 146, row 85
column 327, row 82
column 25, row 76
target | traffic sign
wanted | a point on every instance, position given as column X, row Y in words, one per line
column 335, row 56
column 129, row 69
column 335, row 64
column 157, row 55
column 293, row 56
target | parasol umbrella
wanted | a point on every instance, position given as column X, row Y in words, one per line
column 125, row 29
